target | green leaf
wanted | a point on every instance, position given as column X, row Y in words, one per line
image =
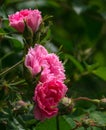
column 95, row 128
column 69, row 120
column 100, row 72
column 100, row 58
column 46, row 37
column 46, row 17
column 99, row 117
column 7, row 54
column 75, row 62
column 49, row 124
column 93, row 21
column 13, row 2
column 15, row 125
column 16, row 43
column 91, row 67
column 64, row 125
column 54, row 4
column 2, row 32
column 98, row 3
column 61, row 37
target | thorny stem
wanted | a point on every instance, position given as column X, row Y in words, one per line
column 95, row 101
column 57, row 123
column 9, row 69
column 82, row 98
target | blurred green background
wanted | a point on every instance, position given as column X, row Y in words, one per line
column 77, row 34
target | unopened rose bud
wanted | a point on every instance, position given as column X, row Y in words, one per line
column 66, row 101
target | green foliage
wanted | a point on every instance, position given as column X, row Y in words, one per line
column 101, row 72
column 76, row 31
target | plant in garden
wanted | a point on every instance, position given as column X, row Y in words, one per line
column 50, row 88
column 35, row 82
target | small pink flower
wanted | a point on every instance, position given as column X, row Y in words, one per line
column 32, row 18
column 47, row 96
column 34, row 59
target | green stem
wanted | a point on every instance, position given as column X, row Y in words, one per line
column 17, row 83
column 96, row 101
column 8, row 54
column 57, row 123
column 82, row 98
column 9, row 69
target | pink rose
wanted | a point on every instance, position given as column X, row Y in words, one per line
column 32, row 18
column 34, row 59
column 47, row 96
column 38, row 60
column 54, row 68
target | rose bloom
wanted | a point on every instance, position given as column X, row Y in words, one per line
column 46, row 97
column 54, row 68
column 38, row 60
column 32, row 18
column 34, row 59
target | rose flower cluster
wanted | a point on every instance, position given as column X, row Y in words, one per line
column 50, row 88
